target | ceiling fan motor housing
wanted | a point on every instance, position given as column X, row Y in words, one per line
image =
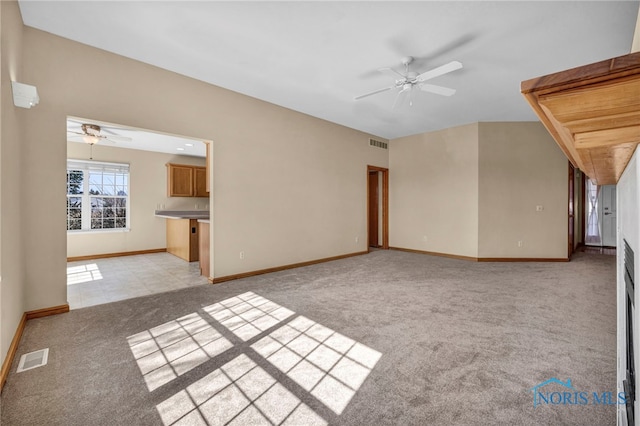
column 91, row 129
column 407, row 60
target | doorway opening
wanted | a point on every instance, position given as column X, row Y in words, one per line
column 377, row 207
column 118, row 178
column 600, row 215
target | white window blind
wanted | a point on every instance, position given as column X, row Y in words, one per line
column 97, row 166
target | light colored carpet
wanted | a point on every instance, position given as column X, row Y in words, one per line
column 385, row 338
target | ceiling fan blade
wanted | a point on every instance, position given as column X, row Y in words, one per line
column 439, row 90
column 401, row 94
column 117, row 138
column 391, row 72
column 110, row 134
column 374, row 92
column 453, row 45
column 451, row 66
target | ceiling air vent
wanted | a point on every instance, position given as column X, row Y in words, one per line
column 33, row 360
column 378, row 144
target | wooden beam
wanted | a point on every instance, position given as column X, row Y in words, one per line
column 593, row 113
column 603, row 138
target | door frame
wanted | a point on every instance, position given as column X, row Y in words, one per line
column 571, row 211
column 374, row 209
column 385, row 205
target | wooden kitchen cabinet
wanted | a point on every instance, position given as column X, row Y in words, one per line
column 182, row 238
column 180, row 180
column 186, row 181
column 200, row 182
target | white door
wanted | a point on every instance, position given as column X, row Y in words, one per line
column 607, row 204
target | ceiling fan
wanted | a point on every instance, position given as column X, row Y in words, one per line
column 92, row 134
column 410, row 79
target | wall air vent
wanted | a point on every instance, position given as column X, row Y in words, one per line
column 379, row 144
column 33, row 360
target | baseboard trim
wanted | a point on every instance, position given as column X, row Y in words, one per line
column 54, row 310
column 106, row 255
column 522, row 259
column 434, row 253
column 13, row 348
column 485, row 259
column 11, row 353
column 282, row 268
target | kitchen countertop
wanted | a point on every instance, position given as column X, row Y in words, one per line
column 182, row 214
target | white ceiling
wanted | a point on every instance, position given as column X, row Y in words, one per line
column 316, row 57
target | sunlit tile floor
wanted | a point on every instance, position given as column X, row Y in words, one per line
column 98, row 281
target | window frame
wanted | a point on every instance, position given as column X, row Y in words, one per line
column 87, row 167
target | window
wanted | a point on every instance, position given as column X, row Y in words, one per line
column 97, row 195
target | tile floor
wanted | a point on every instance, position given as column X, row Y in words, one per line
column 98, row 281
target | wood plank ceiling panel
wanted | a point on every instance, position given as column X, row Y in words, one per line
column 593, row 113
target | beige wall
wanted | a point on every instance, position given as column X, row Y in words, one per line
column 148, row 189
column 433, row 191
column 628, row 212
column 12, row 255
column 473, row 191
column 286, row 187
column 521, row 167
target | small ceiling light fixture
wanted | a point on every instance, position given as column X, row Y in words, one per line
column 180, row 149
column 24, row 95
column 90, row 139
column 188, row 144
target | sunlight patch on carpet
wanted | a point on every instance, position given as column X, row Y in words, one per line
column 174, row 348
column 328, row 367
column 238, row 393
column 248, row 314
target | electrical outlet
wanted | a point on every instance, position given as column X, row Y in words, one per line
column 520, row 243
column 424, row 238
column 539, row 208
column 242, row 255
column 357, row 239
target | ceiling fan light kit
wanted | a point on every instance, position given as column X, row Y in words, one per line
column 411, row 79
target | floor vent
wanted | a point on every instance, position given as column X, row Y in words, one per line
column 378, row 144
column 33, row 360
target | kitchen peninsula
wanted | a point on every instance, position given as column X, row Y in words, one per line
column 182, row 232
